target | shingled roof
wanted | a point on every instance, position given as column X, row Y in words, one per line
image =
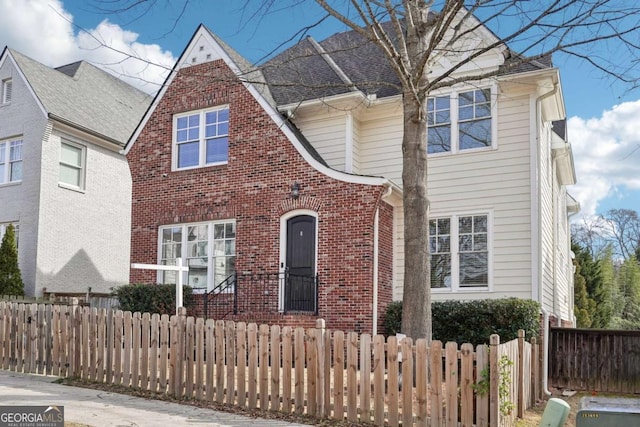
column 347, row 61
column 85, row 96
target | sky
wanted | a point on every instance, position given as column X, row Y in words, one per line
column 603, row 115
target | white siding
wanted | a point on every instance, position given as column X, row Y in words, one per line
column 84, row 235
column 327, row 134
column 495, row 181
column 20, row 202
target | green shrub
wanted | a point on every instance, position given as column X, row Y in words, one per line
column 151, row 298
column 474, row 321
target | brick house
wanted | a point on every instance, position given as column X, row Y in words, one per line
column 221, row 179
column 288, row 179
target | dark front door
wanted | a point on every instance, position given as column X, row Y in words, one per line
column 300, row 281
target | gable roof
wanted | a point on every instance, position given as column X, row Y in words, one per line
column 344, row 61
column 205, row 46
column 84, row 96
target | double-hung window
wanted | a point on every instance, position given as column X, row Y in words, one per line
column 72, row 160
column 460, row 121
column 459, row 249
column 201, row 138
column 10, row 161
column 209, row 249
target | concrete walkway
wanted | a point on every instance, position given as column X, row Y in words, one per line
column 100, row 408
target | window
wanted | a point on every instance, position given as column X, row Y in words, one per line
column 201, row 138
column 459, row 249
column 72, row 165
column 3, row 230
column 10, row 161
column 460, row 121
column 7, row 89
column 209, row 249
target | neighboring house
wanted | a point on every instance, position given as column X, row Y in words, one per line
column 63, row 181
column 253, row 175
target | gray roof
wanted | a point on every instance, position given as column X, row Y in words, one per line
column 304, row 72
column 85, row 96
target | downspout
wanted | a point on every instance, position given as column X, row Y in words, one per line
column 348, row 154
column 376, row 246
column 545, row 363
column 376, row 229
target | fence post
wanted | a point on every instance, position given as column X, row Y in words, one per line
column 320, row 331
column 521, row 403
column 494, row 380
column 535, row 363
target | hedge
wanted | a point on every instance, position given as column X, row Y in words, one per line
column 151, row 298
column 474, row 321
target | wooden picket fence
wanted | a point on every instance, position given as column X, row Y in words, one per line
column 319, row 372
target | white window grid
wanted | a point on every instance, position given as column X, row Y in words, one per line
column 200, row 132
column 10, row 161
column 209, row 245
column 455, row 122
column 455, row 251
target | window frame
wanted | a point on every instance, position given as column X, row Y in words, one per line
column 455, row 121
column 202, row 139
column 83, row 165
column 210, row 250
column 7, row 91
column 454, row 252
column 7, row 163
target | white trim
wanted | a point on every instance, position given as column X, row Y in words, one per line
column 183, row 243
column 267, row 107
column 535, row 202
column 376, row 246
column 202, row 146
column 283, row 245
column 26, row 83
column 7, row 90
column 83, row 165
column 454, row 251
column 348, row 146
column 454, row 121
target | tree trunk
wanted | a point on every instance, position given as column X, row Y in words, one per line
column 416, row 301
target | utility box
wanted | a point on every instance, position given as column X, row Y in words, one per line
column 608, row 412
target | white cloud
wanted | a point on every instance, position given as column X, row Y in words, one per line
column 606, row 153
column 44, row 31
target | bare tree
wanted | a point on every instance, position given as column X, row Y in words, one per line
column 420, row 33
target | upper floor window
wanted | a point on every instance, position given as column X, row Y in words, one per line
column 72, row 169
column 7, row 89
column 10, row 161
column 209, row 249
column 460, row 121
column 201, row 138
column 459, row 249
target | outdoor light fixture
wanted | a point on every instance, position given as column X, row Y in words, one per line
column 295, row 190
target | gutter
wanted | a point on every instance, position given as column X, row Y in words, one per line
column 545, row 363
column 376, row 248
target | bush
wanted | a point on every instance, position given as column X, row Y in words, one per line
column 151, row 298
column 474, row 321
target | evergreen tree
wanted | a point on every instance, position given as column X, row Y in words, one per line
column 627, row 313
column 583, row 305
column 10, row 277
column 598, row 284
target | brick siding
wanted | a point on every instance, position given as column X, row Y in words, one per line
column 254, row 189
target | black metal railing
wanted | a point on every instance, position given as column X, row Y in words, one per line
column 280, row 292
